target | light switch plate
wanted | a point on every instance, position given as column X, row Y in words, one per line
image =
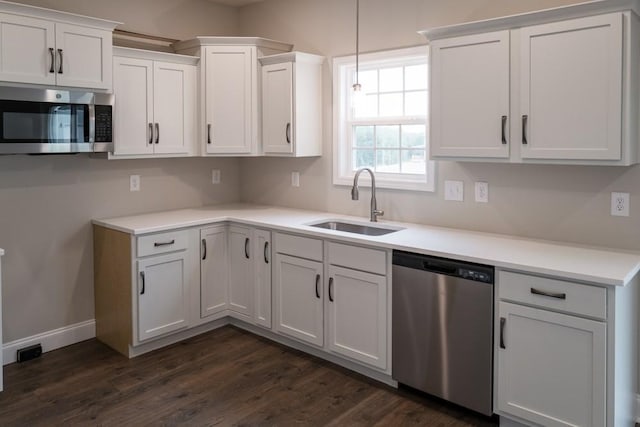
column 295, row 179
column 482, row 192
column 454, row 190
column 134, row 183
column 215, row 176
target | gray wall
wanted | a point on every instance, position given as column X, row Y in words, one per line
column 562, row 203
column 47, row 202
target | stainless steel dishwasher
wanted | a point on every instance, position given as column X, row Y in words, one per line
column 442, row 328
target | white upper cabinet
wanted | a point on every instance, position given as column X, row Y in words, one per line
column 46, row 47
column 571, row 89
column 155, row 104
column 556, row 87
column 470, row 96
column 230, row 92
column 230, row 98
column 292, row 104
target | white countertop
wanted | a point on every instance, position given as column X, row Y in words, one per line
column 588, row 264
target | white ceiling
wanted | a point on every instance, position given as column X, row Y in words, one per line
column 235, row 3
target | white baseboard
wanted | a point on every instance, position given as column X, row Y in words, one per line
column 51, row 340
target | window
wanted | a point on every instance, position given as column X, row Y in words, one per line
column 385, row 126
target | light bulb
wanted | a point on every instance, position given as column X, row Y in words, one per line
column 357, row 97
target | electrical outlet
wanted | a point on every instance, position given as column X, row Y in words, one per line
column 454, row 190
column 215, row 176
column 295, row 179
column 482, row 192
column 134, row 183
column 620, row 204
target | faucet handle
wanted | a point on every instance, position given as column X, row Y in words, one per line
column 378, row 212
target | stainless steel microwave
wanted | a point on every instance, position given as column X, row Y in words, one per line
column 39, row 121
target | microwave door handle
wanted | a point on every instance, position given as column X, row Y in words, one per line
column 92, row 124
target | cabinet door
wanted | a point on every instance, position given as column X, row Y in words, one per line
column 162, row 299
column 241, row 273
column 133, row 109
column 173, row 107
column 213, row 271
column 262, row 281
column 84, row 57
column 299, row 298
column 229, row 86
column 358, row 315
column 277, row 108
column 571, row 89
column 470, row 96
column 27, row 50
column 552, row 369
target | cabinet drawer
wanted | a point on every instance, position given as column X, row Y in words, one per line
column 162, row 242
column 561, row 295
column 364, row 259
column 302, row 247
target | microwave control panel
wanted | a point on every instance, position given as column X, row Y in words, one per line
column 104, row 125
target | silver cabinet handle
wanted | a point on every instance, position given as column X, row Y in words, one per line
column 157, row 133
column 150, row 133
column 209, row 133
column 143, row 284
column 503, row 321
column 61, row 60
column 525, row 120
column 266, row 249
column 504, row 129
column 331, row 289
column 204, row 249
column 558, row 295
column 158, row 244
column 53, row 60
column 317, row 286
column 246, row 247
column 288, row 133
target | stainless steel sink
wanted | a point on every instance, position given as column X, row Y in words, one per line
column 367, row 230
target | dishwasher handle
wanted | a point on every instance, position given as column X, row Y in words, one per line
column 437, row 267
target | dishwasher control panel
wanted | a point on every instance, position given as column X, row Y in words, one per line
column 478, row 276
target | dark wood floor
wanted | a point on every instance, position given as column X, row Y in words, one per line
column 224, row 377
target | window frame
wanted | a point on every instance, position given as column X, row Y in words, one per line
column 342, row 121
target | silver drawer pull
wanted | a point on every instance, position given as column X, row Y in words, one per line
column 557, row 295
column 158, row 244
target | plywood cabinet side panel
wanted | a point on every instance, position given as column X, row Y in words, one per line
column 112, row 283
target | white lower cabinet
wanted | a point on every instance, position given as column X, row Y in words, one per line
column 262, row 277
column 241, row 287
column 299, row 298
column 334, row 296
column 552, row 369
column 565, row 354
column 162, row 297
column 214, row 292
column 358, row 315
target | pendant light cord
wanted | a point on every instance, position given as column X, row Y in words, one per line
column 357, row 43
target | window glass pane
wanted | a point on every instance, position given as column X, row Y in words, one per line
column 364, row 105
column 387, row 136
column 363, row 159
column 369, row 81
column 414, row 162
column 415, row 77
column 391, row 105
column 388, row 161
column 391, row 79
column 363, row 136
column 413, row 136
column 415, row 103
